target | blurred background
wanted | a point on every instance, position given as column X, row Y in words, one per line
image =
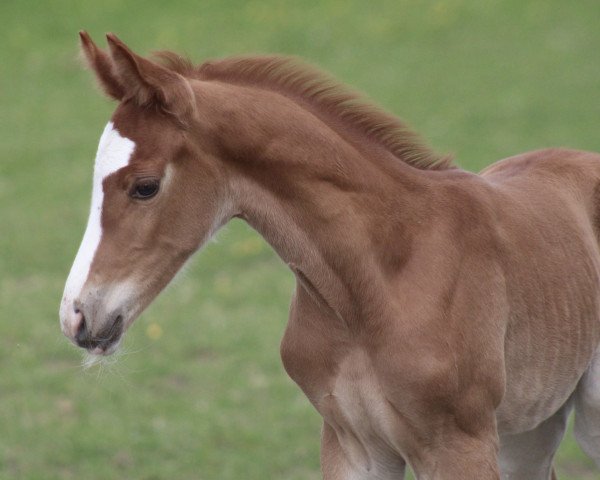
column 199, row 391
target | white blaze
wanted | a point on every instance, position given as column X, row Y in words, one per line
column 114, row 152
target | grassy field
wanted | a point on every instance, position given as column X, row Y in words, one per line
column 199, row 392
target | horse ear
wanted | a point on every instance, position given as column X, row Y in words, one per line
column 100, row 62
column 148, row 83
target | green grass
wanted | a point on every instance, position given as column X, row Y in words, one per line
column 201, row 392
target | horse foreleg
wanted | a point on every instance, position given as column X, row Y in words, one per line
column 462, row 456
column 336, row 465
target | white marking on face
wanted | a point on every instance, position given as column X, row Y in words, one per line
column 114, row 153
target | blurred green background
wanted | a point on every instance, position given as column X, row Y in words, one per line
column 199, row 391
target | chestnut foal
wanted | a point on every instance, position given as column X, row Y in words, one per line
column 441, row 318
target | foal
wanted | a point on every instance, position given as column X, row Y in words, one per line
column 442, row 319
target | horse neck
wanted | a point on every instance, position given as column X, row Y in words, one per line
column 341, row 213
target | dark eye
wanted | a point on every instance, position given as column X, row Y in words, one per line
column 145, row 188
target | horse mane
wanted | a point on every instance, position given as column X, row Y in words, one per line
column 293, row 78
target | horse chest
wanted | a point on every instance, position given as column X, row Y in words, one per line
column 346, row 391
column 354, row 403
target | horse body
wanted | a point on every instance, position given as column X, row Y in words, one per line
column 442, row 319
column 540, row 328
column 552, row 266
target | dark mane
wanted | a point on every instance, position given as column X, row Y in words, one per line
column 293, row 78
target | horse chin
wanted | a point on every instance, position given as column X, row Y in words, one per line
column 108, row 351
column 102, row 352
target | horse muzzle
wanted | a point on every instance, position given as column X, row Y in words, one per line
column 93, row 321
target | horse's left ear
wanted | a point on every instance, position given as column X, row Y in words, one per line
column 146, row 82
column 100, row 62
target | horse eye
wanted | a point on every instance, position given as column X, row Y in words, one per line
column 145, row 189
